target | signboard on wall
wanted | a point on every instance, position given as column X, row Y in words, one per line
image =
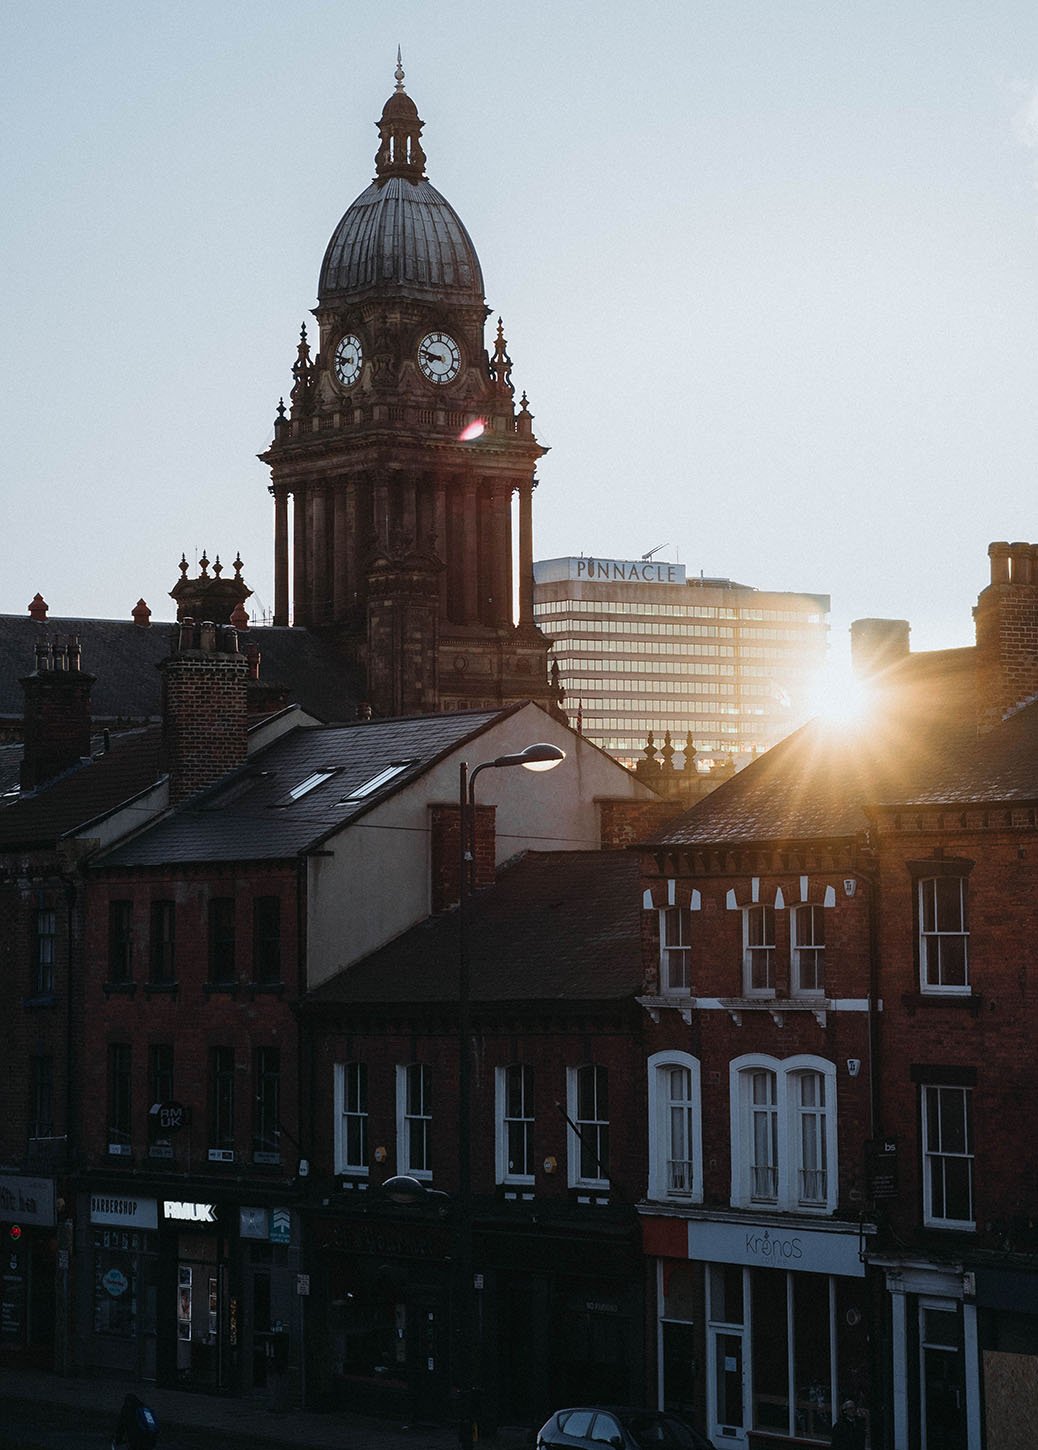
column 768, row 1247
column 608, row 571
column 29, row 1200
column 119, row 1208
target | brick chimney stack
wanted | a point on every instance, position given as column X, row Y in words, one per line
column 204, row 706
column 1006, row 619
column 57, row 712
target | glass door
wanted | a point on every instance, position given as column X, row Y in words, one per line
column 943, row 1398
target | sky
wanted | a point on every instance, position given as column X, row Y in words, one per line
column 768, row 273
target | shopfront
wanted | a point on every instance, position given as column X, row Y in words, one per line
column 196, row 1292
column 27, row 1277
column 935, row 1400
column 774, row 1314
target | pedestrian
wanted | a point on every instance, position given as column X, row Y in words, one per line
column 137, row 1427
column 849, row 1430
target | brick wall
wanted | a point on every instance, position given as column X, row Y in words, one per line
column 446, row 856
column 205, row 710
column 190, row 1016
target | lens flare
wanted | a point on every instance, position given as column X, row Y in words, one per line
column 475, row 429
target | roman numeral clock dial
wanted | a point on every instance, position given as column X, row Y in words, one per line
column 439, row 357
column 349, row 355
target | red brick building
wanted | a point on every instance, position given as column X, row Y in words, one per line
column 557, row 1151
column 842, row 945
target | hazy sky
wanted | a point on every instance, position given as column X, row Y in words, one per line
column 768, row 271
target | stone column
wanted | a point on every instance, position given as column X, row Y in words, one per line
column 300, row 571
column 526, row 553
column 280, row 554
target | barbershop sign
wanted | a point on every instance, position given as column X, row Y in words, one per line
column 766, row 1247
column 123, row 1210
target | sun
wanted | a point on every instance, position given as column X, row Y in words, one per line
column 839, row 697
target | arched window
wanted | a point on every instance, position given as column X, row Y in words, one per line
column 675, row 1128
column 783, row 1114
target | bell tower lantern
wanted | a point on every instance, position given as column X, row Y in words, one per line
column 395, row 466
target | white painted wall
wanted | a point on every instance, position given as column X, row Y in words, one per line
column 375, row 883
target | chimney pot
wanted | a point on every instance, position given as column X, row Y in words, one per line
column 38, row 608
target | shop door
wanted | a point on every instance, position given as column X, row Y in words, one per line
column 679, row 1372
column 200, row 1314
column 943, row 1398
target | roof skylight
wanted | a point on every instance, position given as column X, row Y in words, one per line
column 388, row 773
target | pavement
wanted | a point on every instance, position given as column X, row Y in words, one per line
column 45, row 1411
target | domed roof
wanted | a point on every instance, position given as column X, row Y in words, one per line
column 401, row 234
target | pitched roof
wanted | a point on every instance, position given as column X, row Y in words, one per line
column 84, row 792
column 124, row 659
column 252, row 814
column 556, row 925
column 820, row 780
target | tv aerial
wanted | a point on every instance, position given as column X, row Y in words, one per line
column 653, row 551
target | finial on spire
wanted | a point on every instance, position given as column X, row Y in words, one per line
column 398, row 74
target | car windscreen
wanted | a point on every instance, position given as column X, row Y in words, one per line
column 660, row 1432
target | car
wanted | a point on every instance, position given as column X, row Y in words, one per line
column 623, row 1427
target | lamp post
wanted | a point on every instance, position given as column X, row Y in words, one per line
column 535, row 758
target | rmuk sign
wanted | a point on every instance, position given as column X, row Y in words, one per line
column 189, row 1212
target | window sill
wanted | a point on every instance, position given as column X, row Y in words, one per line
column 161, row 989
column 266, row 989
column 221, row 989
column 963, row 1001
column 120, row 989
column 42, row 999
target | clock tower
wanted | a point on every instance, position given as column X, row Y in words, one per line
column 395, row 467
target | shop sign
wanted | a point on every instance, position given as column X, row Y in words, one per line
column 881, row 1167
column 189, row 1212
column 115, row 1208
column 115, row 1282
column 766, row 1246
column 29, row 1200
column 280, row 1226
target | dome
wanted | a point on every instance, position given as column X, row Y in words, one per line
column 401, row 235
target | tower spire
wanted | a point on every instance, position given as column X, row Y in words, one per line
column 400, row 152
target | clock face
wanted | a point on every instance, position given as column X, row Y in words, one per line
column 348, row 357
column 439, row 357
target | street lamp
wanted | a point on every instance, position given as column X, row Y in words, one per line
column 539, row 757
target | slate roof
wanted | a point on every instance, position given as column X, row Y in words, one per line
column 556, row 925
column 250, row 816
column 819, row 781
column 84, row 792
column 123, row 657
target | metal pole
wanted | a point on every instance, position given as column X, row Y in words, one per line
column 467, row 1433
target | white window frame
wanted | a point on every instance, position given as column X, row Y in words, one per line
column 347, row 1111
column 675, row 953
column 936, row 1157
column 812, row 911
column 790, row 1114
column 406, row 1119
column 930, row 942
column 573, row 1139
column 661, row 1108
column 502, row 1120
column 749, row 952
